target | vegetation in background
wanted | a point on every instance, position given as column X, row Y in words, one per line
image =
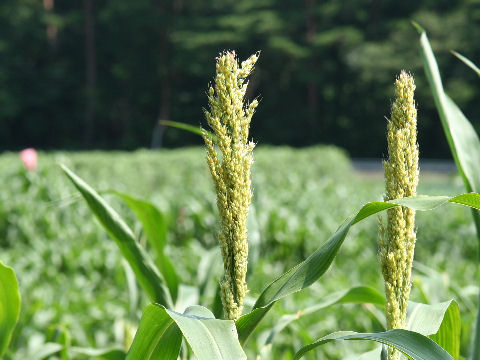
column 316, row 76
column 75, row 278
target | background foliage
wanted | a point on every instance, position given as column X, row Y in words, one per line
column 102, row 73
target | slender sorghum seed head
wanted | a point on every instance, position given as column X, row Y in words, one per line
column 229, row 118
column 397, row 240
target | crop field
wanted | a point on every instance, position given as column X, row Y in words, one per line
column 77, row 291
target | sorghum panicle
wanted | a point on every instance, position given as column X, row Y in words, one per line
column 397, row 240
column 230, row 120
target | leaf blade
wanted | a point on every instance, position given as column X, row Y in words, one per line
column 461, row 136
column 146, row 273
column 155, row 227
column 208, row 337
column 156, row 331
column 467, row 62
column 190, row 128
column 441, row 322
column 412, row 344
column 9, row 305
column 353, row 295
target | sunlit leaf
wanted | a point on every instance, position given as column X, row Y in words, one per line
column 160, row 332
column 190, row 128
column 467, row 62
column 441, row 322
column 9, row 305
column 145, row 271
column 462, row 139
column 412, row 344
column 155, row 227
column 354, row 295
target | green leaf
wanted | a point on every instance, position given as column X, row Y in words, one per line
column 157, row 337
column 418, row 27
column 169, row 274
column 145, row 271
column 461, row 136
column 152, row 220
column 441, row 322
column 44, row 351
column 9, row 305
column 307, row 272
column 448, row 336
column 208, row 337
column 247, row 323
column 59, row 334
column 155, row 227
column 356, row 295
column 187, row 127
column 467, row 62
column 104, row 354
column 463, row 141
column 412, row 344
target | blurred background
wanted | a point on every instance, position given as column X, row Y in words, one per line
column 98, row 74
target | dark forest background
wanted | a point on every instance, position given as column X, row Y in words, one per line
column 99, row 74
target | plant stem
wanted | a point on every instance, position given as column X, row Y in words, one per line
column 476, row 333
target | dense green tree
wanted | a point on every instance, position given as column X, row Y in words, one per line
column 101, row 74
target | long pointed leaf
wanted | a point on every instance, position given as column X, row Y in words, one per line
column 412, row 344
column 354, row 295
column 467, row 62
column 463, row 141
column 190, row 128
column 147, row 274
column 151, row 218
column 462, row 138
column 155, row 227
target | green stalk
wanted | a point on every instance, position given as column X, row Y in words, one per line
column 476, row 333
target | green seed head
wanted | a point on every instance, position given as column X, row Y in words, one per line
column 230, row 119
column 397, row 240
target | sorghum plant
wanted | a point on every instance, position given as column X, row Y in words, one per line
column 161, row 328
column 230, row 121
column 397, row 241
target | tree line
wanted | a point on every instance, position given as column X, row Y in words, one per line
column 102, row 74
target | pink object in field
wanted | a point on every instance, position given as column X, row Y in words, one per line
column 29, row 158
